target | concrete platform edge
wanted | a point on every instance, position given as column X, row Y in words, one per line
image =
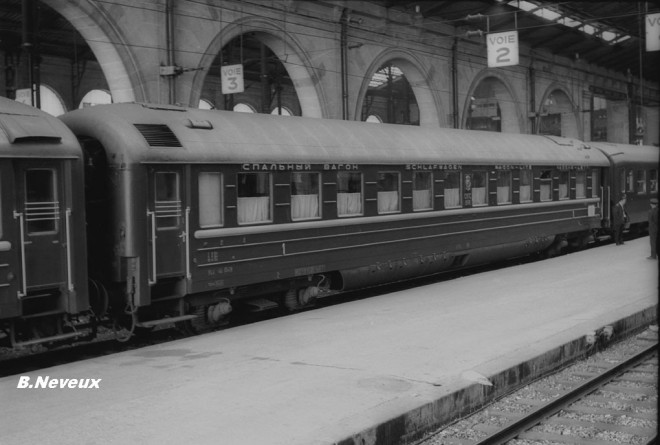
column 416, row 423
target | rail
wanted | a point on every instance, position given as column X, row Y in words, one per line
column 537, row 416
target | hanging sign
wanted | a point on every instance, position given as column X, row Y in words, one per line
column 502, row 49
column 232, row 79
column 653, row 32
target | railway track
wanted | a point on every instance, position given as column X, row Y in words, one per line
column 611, row 398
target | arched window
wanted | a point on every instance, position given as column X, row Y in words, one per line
column 205, row 105
column 95, row 97
column 51, row 102
column 283, row 111
column 244, row 108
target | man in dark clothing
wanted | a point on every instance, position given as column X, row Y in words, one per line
column 619, row 219
column 653, row 228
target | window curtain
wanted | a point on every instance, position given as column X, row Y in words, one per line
column 422, row 200
column 304, row 206
column 546, row 192
column 478, row 196
column 253, row 209
column 349, row 204
column 452, row 198
column 504, row 195
column 388, row 202
column 525, row 193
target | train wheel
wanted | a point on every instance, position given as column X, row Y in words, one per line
column 98, row 298
column 209, row 318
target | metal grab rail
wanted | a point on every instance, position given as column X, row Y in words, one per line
column 187, row 241
column 152, row 215
column 22, row 292
column 69, row 265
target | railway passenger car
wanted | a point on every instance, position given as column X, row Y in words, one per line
column 633, row 172
column 191, row 211
column 43, row 271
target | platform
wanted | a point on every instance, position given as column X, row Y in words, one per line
column 379, row 370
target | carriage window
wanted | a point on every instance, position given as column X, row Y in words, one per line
column 503, row 187
column 653, row 181
column 168, row 201
column 349, row 194
column 210, row 199
column 479, row 188
column 254, row 198
column 641, row 181
column 581, row 184
column 452, row 190
column 595, row 183
column 564, row 185
column 305, row 197
column 630, row 181
column 42, row 208
column 388, row 192
column 422, row 191
column 525, row 185
column 546, row 185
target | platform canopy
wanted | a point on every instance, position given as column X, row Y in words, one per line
column 609, row 34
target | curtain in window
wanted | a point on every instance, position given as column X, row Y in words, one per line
column 452, row 198
column 422, row 200
column 253, row 209
column 478, row 196
column 563, row 190
column 525, row 193
column 304, row 206
column 546, row 191
column 503, row 195
column 349, row 204
column 388, row 202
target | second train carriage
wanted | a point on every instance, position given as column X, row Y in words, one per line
column 191, row 210
column 634, row 172
column 43, row 271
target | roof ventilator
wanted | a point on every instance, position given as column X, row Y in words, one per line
column 158, row 135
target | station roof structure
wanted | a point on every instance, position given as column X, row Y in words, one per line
column 609, row 34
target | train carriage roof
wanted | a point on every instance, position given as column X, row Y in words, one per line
column 27, row 132
column 151, row 133
column 628, row 154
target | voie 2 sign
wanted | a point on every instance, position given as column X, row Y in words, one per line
column 502, row 49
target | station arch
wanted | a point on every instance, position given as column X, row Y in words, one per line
column 492, row 105
column 558, row 115
column 109, row 47
column 286, row 49
column 417, row 76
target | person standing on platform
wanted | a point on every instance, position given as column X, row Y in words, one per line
column 619, row 219
column 653, row 228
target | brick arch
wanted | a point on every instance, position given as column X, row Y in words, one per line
column 298, row 65
column 431, row 112
column 570, row 122
column 109, row 46
column 512, row 116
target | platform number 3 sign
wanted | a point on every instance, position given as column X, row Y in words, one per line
column 653, row 32
column 502, row 49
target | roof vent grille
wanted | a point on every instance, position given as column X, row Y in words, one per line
column 158, row 135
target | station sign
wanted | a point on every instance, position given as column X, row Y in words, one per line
column 232, row 79
column 653, row 32
column 502, row 49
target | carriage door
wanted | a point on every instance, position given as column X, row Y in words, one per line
column 10, row 271
column 43, row 224
column 168, row 222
